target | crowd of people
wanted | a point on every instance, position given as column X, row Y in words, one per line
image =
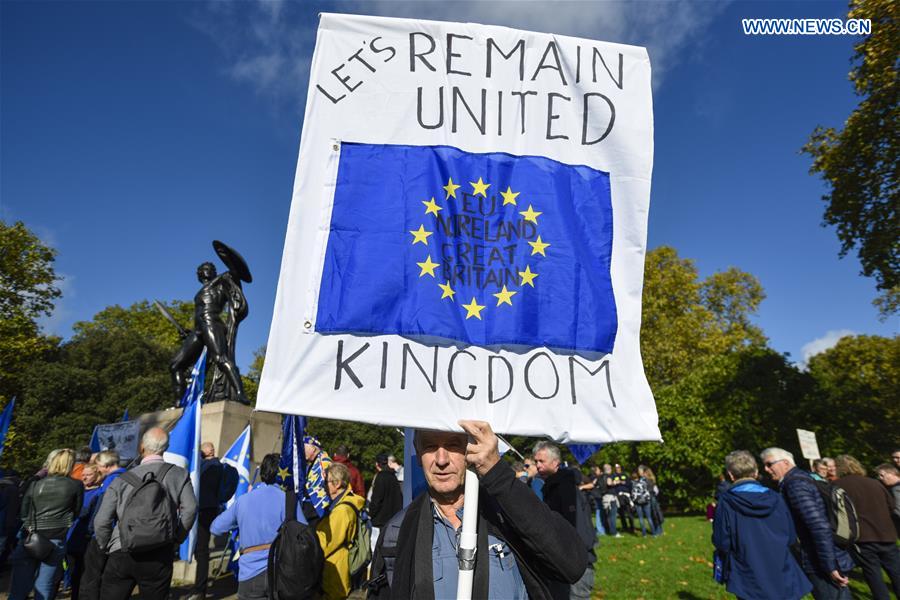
column 100, row 528
column 810, row 533
column 86, row 522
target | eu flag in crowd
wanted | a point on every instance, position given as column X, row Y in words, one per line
column 184, row 443
column 486, row 249
column 5, row 420
column 292, row 467
column 238, row 456
column 125, row 415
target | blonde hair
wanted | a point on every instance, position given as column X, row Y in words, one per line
column 847, row 465
column 338, row 473
column 647, row 473
column 60, row 462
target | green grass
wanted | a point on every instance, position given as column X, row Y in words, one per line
column 675, row 565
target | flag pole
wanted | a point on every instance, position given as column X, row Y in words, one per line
column 468, row 538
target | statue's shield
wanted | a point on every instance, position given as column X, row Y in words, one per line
column 233, row 260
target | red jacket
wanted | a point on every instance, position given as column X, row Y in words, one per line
column 356, row 478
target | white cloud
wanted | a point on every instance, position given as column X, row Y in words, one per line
column 821, row 344
column 268, row 44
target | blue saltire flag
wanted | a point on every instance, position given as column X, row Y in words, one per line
column 198, row 377
column 582, row 452
column 125, row 415
column 292, row 467
column 184, row 444
column 238, row 456
column 5, row 421
column 487, row 249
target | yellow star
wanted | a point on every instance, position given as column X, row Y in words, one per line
column 538, row 246
column 509, row 197
column 527, row 276
column 479, row 188
column 427, row 266
column 504, row 296
column 431, row 207
column 283, row 473
column 448, row 291
column 421, row 235
column 473, row 309
column 450, row 188
column 530, row 214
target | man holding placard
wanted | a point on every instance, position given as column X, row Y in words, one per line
column 466, row 241
column 522, row 545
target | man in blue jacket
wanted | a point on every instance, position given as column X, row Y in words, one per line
column 824, row 563
column 752, row 533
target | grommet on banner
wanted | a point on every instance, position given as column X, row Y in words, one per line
column 307, row 324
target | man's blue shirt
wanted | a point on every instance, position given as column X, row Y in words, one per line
column 257, row 515
column 504, row 578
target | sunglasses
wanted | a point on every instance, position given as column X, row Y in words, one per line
column 528, row 465
column 769, row 464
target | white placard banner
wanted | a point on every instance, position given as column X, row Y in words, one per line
column 467, row 233
column 809, row 447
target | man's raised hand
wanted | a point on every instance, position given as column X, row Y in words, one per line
column 481, row 452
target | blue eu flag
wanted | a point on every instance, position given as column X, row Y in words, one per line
column 486, row 249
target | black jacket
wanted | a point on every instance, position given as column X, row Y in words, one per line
column 387, row 498
column 52, row 503
column 541, row 540
column 817, row 551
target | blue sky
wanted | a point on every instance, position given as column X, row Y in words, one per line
column 132, row 134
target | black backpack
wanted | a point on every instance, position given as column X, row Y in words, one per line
column 841, row 514
column 295, row 557
column 149, row 516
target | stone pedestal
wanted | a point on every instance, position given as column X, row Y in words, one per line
column 222, row 422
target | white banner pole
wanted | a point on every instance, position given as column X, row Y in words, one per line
column 468, row 538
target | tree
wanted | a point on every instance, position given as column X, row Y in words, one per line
column 856, row 403
column 143, row 319
column 744, row 400
column 27, row 292
column 254, row 373
column 859, row 163
column 686, row 320
column 118, row 360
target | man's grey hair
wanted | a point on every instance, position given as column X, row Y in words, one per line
column 549, row 447
column 777, row 454
column 107, row 458
column 155, row 441
column 741, row 464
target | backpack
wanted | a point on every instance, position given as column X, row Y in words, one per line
column 361, row 544
column 640, row 492
column 295, row 557
column 841, row 514
column 149, row 516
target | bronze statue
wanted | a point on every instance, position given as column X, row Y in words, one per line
column 220, row 295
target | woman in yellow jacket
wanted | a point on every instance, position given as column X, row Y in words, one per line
column 336, row 531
